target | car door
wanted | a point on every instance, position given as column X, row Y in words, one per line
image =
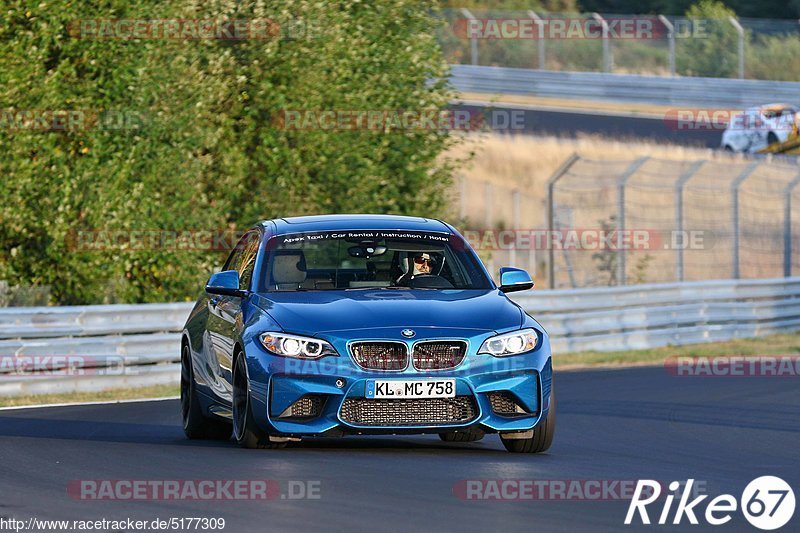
column 225, row 312
column 758, row 131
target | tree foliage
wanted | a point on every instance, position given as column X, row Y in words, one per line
column 715, row 53
column 199, row 147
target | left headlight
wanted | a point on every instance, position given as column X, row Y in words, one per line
column 296, row 345
column 512, row 343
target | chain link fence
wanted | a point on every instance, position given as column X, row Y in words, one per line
column 608, row 223
column 630, row 44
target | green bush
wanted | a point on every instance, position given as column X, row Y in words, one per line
column 716, row 54
column 202, row 150
column 774, row 58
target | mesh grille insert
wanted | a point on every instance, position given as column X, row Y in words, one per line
column 309, row 406
column 505, row 404
column 439, row 355
column 380, row 355
column 413, row 412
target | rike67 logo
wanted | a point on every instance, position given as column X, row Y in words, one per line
column 767, row 503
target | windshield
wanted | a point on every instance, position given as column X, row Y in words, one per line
column 353, row 260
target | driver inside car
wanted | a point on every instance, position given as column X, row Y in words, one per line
column 422, row 264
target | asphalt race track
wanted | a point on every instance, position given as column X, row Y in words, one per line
column 613, row 425
column 569, row 124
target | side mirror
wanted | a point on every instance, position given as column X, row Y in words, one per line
column 514, row 279
column 226, row 284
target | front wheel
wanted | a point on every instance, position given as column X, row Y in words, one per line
column 542, row 434
column 246, row 432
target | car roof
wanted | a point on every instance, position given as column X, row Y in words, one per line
column 312, row 223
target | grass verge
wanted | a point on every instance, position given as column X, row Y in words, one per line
column 545, row 102
column 156, row 391
column 785, row 344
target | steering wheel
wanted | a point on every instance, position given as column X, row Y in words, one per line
column 429, row 281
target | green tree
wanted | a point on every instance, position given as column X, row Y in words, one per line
column 201, row 149
column 712, row 50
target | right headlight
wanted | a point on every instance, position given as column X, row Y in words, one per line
column 296, row 345
column 513, row 343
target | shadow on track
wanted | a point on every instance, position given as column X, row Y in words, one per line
column 160, row 434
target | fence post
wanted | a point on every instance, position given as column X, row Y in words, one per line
column 488, row 220
column 671, row 40
column 532, row 246
column 740, row 31
column 735, row 212
column 551, row 216
column 473, row 41
column 623, row 180
column 541, row 38
column 787, row 226
column 679, row 185
column 608, row 60
column 462, row 199
column 514, row 225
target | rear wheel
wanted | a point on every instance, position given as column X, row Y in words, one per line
column 469, row 435
column 245, row 430
column 195, row 425
column 542, row 434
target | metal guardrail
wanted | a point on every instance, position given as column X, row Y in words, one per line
column 648, row 316
column 107, row 347
column 89, row 348
column 720, row 93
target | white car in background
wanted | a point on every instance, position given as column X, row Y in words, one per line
column 758, row 127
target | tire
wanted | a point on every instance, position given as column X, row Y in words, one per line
column 246, row 432
column 470, row 435
column 195, row 425
column 542, row 433
column 772, row 138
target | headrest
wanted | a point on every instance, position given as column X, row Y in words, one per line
column 289, row 267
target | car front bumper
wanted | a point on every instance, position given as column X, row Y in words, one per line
column 338, row 388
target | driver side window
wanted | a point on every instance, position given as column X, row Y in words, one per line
column 243, row 257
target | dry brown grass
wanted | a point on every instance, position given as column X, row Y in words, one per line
column 483, row 198
column 154, row 391
column 547, row 102
column 526, row 162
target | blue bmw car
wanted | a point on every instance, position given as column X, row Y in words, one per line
column 326, row 326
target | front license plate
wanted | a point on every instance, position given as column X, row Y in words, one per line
column 418, row 388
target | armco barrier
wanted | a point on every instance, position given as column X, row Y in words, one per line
column 137, row 345
column 722, row 93
column 89, row 348
column 647, row 316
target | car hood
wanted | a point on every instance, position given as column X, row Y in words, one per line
column 316, row 312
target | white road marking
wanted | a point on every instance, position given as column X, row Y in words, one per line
column 107, row 402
